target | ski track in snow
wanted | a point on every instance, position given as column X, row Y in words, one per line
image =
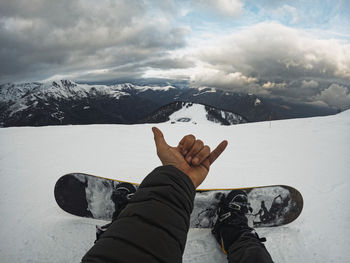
column 312, row 155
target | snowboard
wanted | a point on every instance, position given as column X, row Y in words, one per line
column 89, row 196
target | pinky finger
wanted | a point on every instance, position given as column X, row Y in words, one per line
column 217, row 152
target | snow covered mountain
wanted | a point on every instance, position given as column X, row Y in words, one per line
column 66, row 102
column 179, row 112
column 66, row 89
column 310, row 154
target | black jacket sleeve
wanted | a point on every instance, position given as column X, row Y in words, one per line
column 153, row 227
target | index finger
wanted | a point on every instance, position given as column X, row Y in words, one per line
column 217, row 152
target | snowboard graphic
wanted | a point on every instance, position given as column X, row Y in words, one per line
column 90, row 196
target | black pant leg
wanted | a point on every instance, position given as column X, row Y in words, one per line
column 248, row 249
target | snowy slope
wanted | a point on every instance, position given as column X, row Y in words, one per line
column 180, row 112
column 311, row 154
column 198, row 114
column 195, row 114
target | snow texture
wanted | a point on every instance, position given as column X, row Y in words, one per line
column 311, row 154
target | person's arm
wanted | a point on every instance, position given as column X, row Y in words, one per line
column 153, row 227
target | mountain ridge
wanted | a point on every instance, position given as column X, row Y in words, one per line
column 66, row 102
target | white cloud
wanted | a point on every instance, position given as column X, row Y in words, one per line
column 273, row 85
column 305, row 84
column 271, row 50
column 217, row 78
column 230, row 8
column 335, row 96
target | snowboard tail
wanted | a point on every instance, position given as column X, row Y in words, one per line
column 90, row 196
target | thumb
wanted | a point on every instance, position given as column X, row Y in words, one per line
column 159, row 138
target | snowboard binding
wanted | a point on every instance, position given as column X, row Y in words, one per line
column 121, row 196
column 231, row 220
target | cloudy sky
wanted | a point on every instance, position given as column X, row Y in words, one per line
column 297, row 50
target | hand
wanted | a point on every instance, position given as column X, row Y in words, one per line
column 191, row 156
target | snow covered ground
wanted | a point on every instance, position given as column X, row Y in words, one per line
column 310, row 154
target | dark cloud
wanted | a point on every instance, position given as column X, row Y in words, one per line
column 39, row 38
column 173, row 63
column 335, row 96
